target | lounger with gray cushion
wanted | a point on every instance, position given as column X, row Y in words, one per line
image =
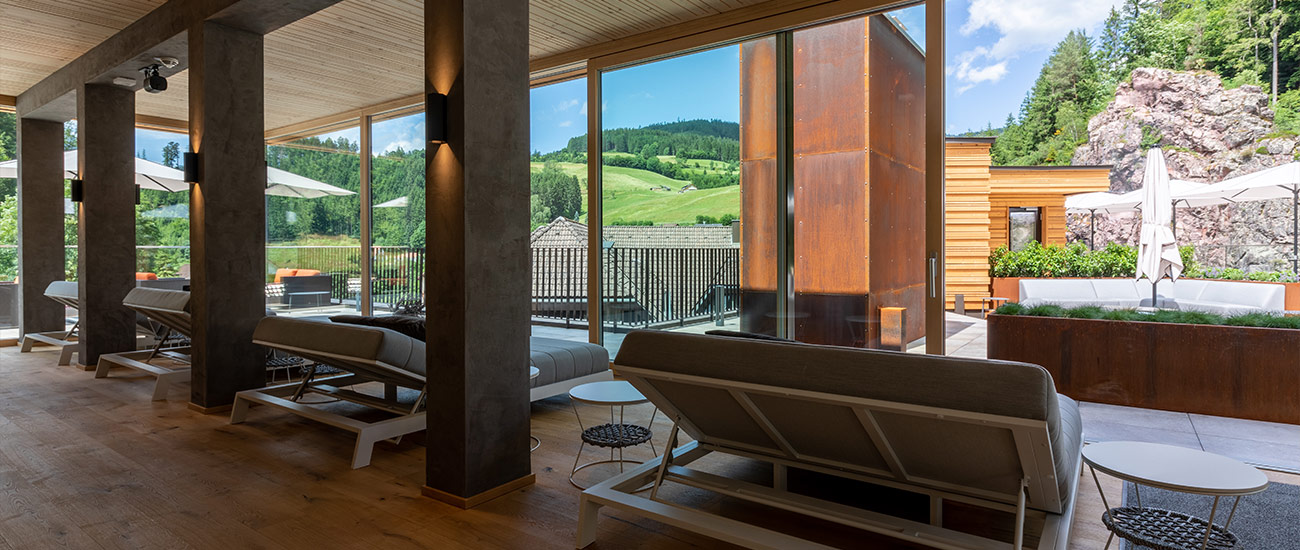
column 167, row 313
column 564, row 364
column 367, row 354
column 66, row 294
column 983, row 433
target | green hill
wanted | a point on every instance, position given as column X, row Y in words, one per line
column 630, row 195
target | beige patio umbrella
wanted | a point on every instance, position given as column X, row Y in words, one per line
column 1278, row 182
column 148, row 174
column 282, row 183
column 1157, row 252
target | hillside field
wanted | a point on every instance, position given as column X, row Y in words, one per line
column 629, row 196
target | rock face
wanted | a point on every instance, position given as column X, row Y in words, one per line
column 1208, row 134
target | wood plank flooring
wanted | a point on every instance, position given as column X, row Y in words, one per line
column 88, row 463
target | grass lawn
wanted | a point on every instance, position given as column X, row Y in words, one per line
column 628, row 196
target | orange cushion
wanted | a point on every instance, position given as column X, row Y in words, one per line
column 141, row 276
column 306, row 272
column 284, row 272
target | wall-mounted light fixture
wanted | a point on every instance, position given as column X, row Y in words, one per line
column 76, row 190
column 137, row 193
column 435, row 118
column 191, row 161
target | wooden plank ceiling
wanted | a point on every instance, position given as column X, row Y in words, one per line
column 352, row 55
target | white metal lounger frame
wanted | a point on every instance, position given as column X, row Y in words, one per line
column 1039, row 483
column 177, row 321
column 410, row 416
column 65, row 340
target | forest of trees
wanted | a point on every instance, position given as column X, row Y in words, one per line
column 1243, row 41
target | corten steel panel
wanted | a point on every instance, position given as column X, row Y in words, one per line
column 829, row 233
column 758, row 100
column 897, row 174
column 758, row 218
column 1240, row 372
column 829, row 89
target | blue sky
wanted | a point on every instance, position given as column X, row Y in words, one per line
column 995, row 49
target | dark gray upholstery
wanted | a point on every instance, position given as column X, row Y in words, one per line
column 968, row 455
column 560, row 360
column 376, row 353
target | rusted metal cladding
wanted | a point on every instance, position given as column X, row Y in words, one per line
column 1240, row 372
column 896, row 102
column 758, row 190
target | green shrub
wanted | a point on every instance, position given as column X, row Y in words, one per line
column 1266, row 320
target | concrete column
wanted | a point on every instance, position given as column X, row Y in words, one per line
column 227, row 213
column 477, row 202
column 40, row 222
column 106, row 232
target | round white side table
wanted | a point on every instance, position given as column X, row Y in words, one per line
column 616, row 435
column 533, row 373
column 1174, row 469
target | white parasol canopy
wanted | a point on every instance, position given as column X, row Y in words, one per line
column 148, row 174
column 281, row 183
column 399, row 202
column 1157, row 251
column 1278, row 182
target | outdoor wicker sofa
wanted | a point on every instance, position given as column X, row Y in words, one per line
column 990, row 434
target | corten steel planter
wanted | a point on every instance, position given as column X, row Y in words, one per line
column 1241, row 372
column 1009, row 288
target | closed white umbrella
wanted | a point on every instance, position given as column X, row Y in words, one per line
column 148, row 174
column 1278, row 182
column 1157, row 252
column 288, row 184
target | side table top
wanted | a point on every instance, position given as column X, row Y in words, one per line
column 610, row 392
column 1175, row 468
column 534, row 372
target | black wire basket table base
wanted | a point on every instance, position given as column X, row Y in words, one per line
column 1160, row 529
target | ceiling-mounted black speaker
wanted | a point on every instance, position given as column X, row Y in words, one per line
column 76, row 190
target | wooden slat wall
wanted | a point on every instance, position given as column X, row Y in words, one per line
column 967, row 237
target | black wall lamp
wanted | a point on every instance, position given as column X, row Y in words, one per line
column 137, row 193
column 191, row 161
column 76, row 190
column 435, row 118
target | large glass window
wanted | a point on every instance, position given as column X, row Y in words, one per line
column 1025, row 226
column 397, row 220
column 858, row 191
column 313, row 224
column 8, row 231
column 671, row 192
column 162, row 221
column 558, row 210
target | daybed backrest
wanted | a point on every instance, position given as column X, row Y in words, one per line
column 1061, row 289
column 1184, row 288
column 376, row 353
column 169, row 307
column 64, row 292
column 1117, row 289
column 975, row 427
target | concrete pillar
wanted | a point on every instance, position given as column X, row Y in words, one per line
column 477, row 202
column 40, row 223
column 106, row 232
column 227, row 213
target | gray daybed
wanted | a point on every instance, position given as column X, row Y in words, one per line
column 67, row 294
column 167, row 315
column 989, row 434
column 565, row 364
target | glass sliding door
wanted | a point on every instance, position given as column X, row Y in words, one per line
column 688, row 193
column 313, row 224
column 397, row 220
column 858, row 188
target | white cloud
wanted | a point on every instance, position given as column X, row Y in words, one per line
column 972, row 67
column 403, row 144
column 566, row 124
column 566, row 105
column 1033, row 24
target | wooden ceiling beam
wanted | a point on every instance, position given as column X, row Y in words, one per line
column 159, row 33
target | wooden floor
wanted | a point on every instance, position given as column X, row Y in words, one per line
column 88, row 463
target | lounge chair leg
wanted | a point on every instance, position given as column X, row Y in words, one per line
column 1020, row 515
column 27, row 344
column 588, row 513
column 239, row 411
column 164, row 383
column 65, row 355
column 102, row 368
column 361, row 454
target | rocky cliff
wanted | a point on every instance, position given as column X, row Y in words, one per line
column 1208, row 134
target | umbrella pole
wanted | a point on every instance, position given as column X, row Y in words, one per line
column 1295, row 230
column 1092, row 231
